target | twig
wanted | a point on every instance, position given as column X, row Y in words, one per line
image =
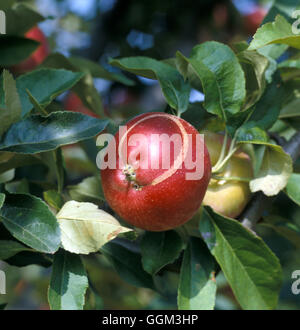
column 260, row 202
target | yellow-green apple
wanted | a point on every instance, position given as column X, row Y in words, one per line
column 228, row 198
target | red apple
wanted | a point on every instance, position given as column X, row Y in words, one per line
column 74, row 103
column 254, row 19
column 159, row 198
column 38, row 56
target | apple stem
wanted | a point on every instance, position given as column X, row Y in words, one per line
column 218, row 167
column 222, row 158
column 131, row 176
column 222, row 154
column 232, row 145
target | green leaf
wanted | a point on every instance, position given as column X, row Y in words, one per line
column 30, row 221
column 21, row 18
column 277, row 32
column 2, row 306
column 5, row 157
column 68, row 283
column 264, row 114
column 97, row 71
column 7, row 176
column 89, row 190
column 15, row 49
column 291, row 64
column 24, row 258
column 197, row 284
column 36, row 134
column 55, row 162
column 18, row 187
column 294, row 125
column 54, row 199
column 160, row 249
column 11, row 248
column 17, row 160
column 38, row 108
column 291, row 109
column 284, row 128
column 84, row 88
column 290, row 71
column 196, row 115
column 293, row 188
column 221, row 76
column 12, row 100
column 252, row 270
column 272, row 62
column 2, row 199
column 27, row 258
column 95, row 302
column 89, row 95
column 44, row 85
column 175, row 90
column 254, row 66
column 188, row 72
column 127, row 264
column 284, row 228
column 6, row 4
column 283, row 8
column 274, row 51
column 235, row 122
column 275, row 171
column 77, row 160
column 12, row 112
column 85, row 228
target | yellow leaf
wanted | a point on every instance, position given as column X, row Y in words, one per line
column 85, row 228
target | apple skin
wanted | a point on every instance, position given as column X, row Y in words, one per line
column 73, row 103
column 228, row 198
column 38, row 56
column 166, row 204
